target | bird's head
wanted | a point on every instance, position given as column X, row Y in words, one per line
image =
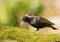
column 27, row 18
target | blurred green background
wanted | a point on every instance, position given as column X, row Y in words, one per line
column 11, row 11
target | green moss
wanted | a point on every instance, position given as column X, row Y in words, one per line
column 22, row 35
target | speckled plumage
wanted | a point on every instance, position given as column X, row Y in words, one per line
column 38, row 21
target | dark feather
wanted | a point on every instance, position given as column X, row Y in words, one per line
column 38, row 21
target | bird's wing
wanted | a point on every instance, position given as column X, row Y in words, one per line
column 34, row 19
column 45, row 21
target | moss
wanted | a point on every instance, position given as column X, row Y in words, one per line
column 22, row 35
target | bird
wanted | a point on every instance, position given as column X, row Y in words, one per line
column 37, row 21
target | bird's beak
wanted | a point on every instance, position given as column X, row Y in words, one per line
column 22, row 23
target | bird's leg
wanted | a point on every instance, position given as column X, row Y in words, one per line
column 46, row 30
column 37, row 29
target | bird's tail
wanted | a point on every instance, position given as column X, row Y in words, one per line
column 53, row 28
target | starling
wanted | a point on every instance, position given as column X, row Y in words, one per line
column 37, row 21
